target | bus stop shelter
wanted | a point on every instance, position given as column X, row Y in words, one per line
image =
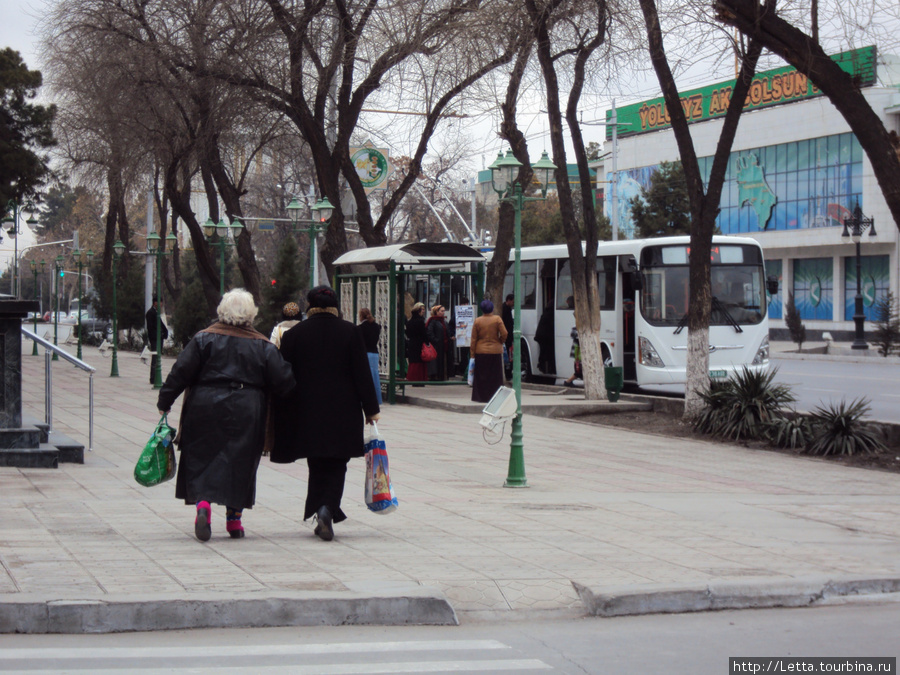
column 390, row 279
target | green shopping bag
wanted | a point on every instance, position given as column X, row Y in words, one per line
column 157, row 462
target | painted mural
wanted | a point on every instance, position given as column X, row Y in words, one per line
column 814, row 288
column 876, row 282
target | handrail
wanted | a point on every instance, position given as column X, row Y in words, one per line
column 48, row 381
column 57, row 350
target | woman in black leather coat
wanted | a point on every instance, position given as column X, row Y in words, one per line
column 227, row 369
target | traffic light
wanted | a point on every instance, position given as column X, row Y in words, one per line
column 274, row 281
column 62, row 273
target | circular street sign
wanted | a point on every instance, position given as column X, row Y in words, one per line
column 371, row 166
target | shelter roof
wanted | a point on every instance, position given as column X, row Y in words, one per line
column 413, row 253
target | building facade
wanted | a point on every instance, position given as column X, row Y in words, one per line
column 795, row 173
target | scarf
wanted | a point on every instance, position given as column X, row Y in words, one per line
column 312, row 311
column 231, row 330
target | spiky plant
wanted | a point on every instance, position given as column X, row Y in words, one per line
column 838, row 429
column 742, row 406
column 789, row 432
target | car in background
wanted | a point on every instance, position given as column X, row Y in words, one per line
column 61, row 317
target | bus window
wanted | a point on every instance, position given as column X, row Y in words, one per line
column 564, row 286
column 528, row 271
column 606, row 282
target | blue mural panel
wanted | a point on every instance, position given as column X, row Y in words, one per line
column 876, row 282
column 814, row 288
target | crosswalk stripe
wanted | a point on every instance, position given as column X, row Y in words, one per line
column 516, row 665
column 250, row 650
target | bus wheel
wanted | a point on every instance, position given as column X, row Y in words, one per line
column 607, row 357
column 527, row 375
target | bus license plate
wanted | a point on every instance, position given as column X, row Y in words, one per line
column 718, row 374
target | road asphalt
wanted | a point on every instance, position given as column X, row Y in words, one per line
column 611, row 522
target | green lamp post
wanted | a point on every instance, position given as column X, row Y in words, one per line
column 504, row 172
column 217, row 235
column 59, row 274
column 321, row 213
column 79, row 257
column 154, row 249
column 34, row 271
column 118, row 250
column 11, row 223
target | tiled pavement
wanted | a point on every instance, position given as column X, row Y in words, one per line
column 603, row 508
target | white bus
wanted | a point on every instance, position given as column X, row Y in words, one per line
column 643, row 285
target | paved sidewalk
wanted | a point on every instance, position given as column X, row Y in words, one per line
column 608, row 513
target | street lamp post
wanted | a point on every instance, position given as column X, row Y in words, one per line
column 118, row 250
column 79, row 257
column 854, row 226
column 504, row 171
column 154, row 249
column 11, row 223
column 220, row 232
column 321, row 216
column 57, row 276
column 34, row 271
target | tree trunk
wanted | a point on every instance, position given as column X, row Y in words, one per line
column 704, row 205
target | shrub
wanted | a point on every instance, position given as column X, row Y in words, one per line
column 793, row 323
column 743, row 405
column 794, row 432
column 887, row 324
column 838, row 429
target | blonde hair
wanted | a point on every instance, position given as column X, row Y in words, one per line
column 237, row 308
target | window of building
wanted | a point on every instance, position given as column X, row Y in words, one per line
column 814, row 288
column 876, row 282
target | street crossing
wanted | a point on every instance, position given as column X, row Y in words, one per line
column 341, row 658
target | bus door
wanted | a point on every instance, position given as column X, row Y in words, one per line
column 545, row 333
column 564, row 319
column 630, row 284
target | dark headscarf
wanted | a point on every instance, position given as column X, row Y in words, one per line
column 487, row 306
column 322, row 296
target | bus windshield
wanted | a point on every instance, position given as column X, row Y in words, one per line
column 736, row 276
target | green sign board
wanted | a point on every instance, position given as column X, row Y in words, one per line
column 772, row 87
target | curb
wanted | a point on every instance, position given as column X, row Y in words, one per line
column 412, row 605
column 758, row 594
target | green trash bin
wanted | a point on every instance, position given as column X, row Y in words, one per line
column 614, row 376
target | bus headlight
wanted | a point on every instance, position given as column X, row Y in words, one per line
column 648, row 354
column 762, row 354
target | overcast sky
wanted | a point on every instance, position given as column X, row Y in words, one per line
column 17, row 27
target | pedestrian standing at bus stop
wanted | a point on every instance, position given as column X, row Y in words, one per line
column 488, row 337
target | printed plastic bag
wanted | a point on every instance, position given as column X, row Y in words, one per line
column 470, row 377
column 157, row 461
column 379, row 492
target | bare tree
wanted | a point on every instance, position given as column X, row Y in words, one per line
column 704, row 203
column 568, row 35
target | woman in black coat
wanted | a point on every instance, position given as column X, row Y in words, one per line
column 229, row 368
column 322, row 419
column 415, row 338
column 439, row 336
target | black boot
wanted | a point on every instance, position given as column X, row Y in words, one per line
column 323, row 529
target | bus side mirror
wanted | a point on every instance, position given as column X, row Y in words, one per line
column 772, row 284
